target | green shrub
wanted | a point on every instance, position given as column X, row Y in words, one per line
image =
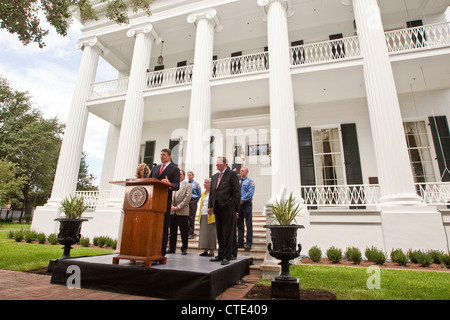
column 52, row 238
column 375, row 255
column 334, row 254
column 445, row 260
column 353, row 254
column 11, row 234
column 41, row 238
column 19, row 235
column 84, row 241
column 435, row 255
column 104, row 241
column 424, row 259
column 413, row 255
column 398, row 256
column 315, row 253
column 30, row 236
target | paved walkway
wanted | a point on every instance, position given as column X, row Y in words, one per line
column 16, row 285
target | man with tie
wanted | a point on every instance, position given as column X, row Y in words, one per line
column 224, row 198
column 169, row 173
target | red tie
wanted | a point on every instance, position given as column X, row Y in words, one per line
column 220, row 178
column 162, row 168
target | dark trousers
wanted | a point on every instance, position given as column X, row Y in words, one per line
column 175, row 222
column 226, row 230
column 165, row 233
column 192, row 212
column 245, row 215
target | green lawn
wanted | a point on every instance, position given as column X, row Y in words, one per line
column 20, row 256
column 351, row 283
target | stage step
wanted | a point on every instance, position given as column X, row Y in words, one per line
column 257, row 252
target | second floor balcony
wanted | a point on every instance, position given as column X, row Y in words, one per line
column 415, row 39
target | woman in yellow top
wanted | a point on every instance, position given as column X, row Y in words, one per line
column 207, row 237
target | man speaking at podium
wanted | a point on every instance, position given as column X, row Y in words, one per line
column 169, row 173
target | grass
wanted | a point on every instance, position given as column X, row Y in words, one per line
column 351, row 283
column 19, row 256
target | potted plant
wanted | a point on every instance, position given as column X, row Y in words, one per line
column 70, row 226
column 284, row 245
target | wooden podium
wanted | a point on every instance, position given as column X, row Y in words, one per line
column 144, row 205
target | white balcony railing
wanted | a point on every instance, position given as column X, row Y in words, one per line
column 245, row 64
column 94, row 198
column 169, row 77
column 320, row 52
column 109, row 88
column 341, row 195
column 434, row 193
column 428, row 36
column 398, row 41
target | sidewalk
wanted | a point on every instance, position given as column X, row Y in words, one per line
column 16, row 285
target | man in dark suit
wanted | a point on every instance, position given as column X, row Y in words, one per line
column 224, row 198
column 169, row 173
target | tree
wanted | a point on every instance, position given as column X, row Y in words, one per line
column 21, row 17
column 29, row 141
column 10, row 185
column 85, row 179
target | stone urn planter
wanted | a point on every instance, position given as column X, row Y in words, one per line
column 69, row 234
column 284, row 247
column 70, row 226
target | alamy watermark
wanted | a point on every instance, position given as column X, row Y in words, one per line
column 74, row 280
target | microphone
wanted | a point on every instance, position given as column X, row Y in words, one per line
column 145, row 172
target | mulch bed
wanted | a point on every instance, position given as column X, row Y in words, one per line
column 386, row 265
column 262, row 292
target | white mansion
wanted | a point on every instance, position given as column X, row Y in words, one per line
column 344, row 103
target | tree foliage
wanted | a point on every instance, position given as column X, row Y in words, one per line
column 30, row 142
column 86, row 180
column 22, row 17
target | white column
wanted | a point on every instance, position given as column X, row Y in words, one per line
column 109, row 159
column 197, row 149
column 284, row 141
column 66, row 176
column 394, row 168
column 132, row 121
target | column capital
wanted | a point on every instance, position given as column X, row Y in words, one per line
column 146, row 29
column 265, row 4
column 210, row 14
column 91, row 42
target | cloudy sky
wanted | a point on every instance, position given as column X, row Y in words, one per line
column 49, row 75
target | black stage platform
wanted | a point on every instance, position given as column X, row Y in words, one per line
column 183, row 277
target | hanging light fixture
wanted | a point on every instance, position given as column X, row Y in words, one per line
column 160, row 58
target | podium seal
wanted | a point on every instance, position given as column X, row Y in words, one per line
column 137, row 197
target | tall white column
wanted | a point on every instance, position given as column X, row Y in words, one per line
column 197, row 149
column 132, row 121
column 394, row 168
column 66, row 176
column 284, row 141
column 109, row 159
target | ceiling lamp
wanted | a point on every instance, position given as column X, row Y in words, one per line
column 160, row 58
